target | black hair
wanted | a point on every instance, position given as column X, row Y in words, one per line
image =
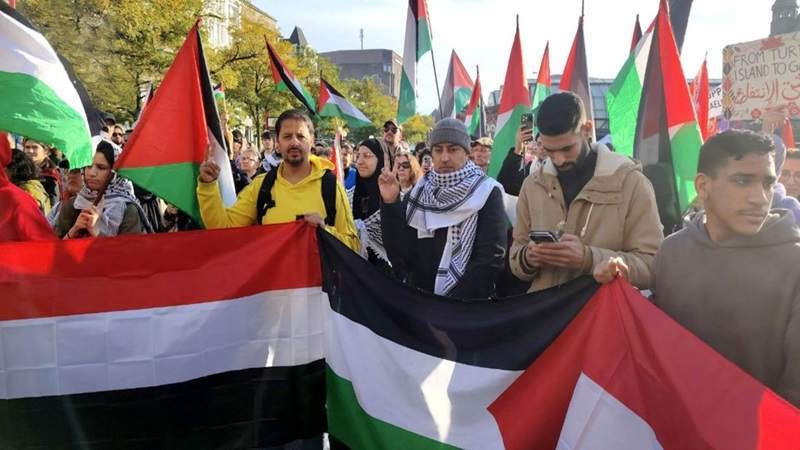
column 294, row 114
column 736, row 144
column 21, row 168
column 560, row 113
column 107, row 150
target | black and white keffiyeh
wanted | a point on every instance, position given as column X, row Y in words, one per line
column 450, row 201
column 116, row 198
column 369, row 231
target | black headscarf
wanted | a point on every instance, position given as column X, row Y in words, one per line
column 367, row 195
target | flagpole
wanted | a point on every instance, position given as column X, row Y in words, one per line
column 435, row 76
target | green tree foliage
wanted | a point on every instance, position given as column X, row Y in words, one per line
column 416, row 129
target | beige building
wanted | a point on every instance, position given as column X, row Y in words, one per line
column 222, row 15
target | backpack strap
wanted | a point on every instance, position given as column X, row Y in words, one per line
column 329, row 196
column 265, row 200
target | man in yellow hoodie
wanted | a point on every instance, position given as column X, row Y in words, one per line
column 297, row 188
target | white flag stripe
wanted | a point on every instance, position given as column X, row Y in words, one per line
column 348, row 109
column 433, row 397
column 25, row 51
column 151, row 347
column 597, row 420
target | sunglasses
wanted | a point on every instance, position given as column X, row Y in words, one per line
column 404, row 165
column 390, row 129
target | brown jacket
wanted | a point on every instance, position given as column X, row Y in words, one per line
column 614, row 215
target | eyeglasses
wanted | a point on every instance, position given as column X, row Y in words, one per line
column 404, row 165
column 390, row 129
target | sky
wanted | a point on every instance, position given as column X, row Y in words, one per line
column 481, row 32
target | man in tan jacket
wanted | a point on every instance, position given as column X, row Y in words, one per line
column 598, row 202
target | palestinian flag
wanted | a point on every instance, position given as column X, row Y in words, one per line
column 679, row 11
column 155, row 342
column 567, row 368
column 667, row 135
column 637, row 34
column 219, row 92
column 700, row 92
column 38, row 96
column 417, row 43
column 514, row 102
column 622, row 98
column 173, row 136
column 575, row 77
column 285, row 80
column 457, row 88
column 543, row 82
column 474, row 119
column 333, row 104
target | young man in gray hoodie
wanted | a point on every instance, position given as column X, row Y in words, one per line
column 732, row 276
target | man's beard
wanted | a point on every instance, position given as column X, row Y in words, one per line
column 571, row 165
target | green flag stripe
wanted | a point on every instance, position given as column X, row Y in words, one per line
column 623, row 100
column 406, row 106
column 505, row 139
column 34, row 110
column 423, row 38
column 685, row 146
column 175, row 183
column 348, row 422
column 333, row 110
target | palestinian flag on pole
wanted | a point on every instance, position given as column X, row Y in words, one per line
column 285, row 80
column 575, row 77
column 457, row 88
column 637, row 34
column 154, row 342
column 417, row 43
column 543, row 82
column 474, row 119
column 622, row 99
column 566, row 368
column 39, row 100
column 333, row 104
column 700, row 92
column 514, row 102
column 167, row 164
column 667, row 135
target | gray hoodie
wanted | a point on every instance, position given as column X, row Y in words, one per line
column 740, row 296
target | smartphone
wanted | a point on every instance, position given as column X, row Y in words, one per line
column 543, row 236
column 527, row 124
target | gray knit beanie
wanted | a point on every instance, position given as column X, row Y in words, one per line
column 451, row 131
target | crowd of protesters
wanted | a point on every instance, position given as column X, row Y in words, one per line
column 561, row 207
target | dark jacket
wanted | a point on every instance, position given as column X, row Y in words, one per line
column 131, row 220
column 419, row 258
column 513, row 172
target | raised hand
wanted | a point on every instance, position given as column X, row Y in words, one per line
column 209, row 170
column 388, row 183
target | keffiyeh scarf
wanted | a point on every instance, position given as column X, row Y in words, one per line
column 369, row 231
column 112, row 206
column 450, row 201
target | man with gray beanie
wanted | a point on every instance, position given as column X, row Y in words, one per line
column 448, row 235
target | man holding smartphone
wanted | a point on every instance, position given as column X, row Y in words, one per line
column 597, row 204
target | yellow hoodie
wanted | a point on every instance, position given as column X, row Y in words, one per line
column 291, row 200
column 37, row 191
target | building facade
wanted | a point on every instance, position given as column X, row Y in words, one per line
column 383, row 66
column 223, row 15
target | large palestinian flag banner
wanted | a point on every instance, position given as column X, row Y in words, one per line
column 37, row 94
column 575, row 367
column 177, row 131
column 154, row 342
column 177, row 340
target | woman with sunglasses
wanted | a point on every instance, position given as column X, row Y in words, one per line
column 408, row 172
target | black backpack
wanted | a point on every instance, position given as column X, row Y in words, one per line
column 265, row 200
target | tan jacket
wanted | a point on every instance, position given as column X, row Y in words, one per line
column 614, row 215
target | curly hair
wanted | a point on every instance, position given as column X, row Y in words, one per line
column 22, row 168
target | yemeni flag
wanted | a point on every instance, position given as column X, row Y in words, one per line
column 173, row 136
column 285, row 80
column 543, row 82
column 699, row 90
column 154, row 342
column 667, row 135
column 625, row 93
column 575, row 77
column 457, row 88
column 474, row 114
column 514, row 102
column 39, row 99
column 333, row 104
column 568, row 368
column 637, row 34
column 417, row 43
